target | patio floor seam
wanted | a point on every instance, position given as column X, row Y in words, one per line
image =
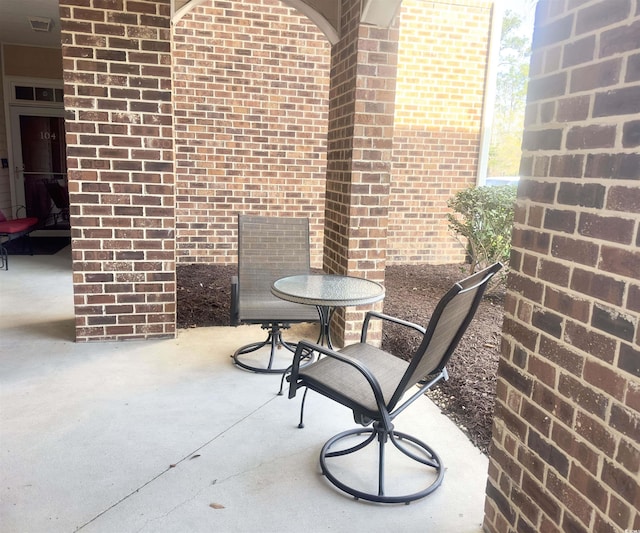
column 174, row 465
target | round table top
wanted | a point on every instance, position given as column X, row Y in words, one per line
column 327, row 290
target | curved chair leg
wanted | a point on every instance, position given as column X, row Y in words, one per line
column 428, row 458
column 304, row 399
column 275, row 340
column 4, row 258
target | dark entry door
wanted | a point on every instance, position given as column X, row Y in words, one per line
column 41, row 165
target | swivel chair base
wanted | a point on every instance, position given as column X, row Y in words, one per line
column 275, row 340
column 430, row 460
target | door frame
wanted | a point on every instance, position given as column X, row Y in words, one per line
column 14, row 108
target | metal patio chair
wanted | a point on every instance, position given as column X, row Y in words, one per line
column 372, row 383
column 59, row 194
column 269, row 248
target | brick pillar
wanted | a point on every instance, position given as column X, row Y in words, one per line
column 565, row 453
column 117, row 75
column 360, row 139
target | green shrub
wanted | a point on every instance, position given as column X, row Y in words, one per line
column 482, row 219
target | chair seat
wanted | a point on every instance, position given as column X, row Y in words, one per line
column 348, row 386
column 18, row 225
column 256, row 308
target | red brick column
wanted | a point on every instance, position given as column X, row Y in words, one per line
column 360, row 139
column 117, row 74
column 565, row 453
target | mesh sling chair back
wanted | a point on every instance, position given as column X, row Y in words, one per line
column 269, row 248
column 373, row 384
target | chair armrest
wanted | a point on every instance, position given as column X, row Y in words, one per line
column 233, row 318
column 388, row 318
column 371, row 379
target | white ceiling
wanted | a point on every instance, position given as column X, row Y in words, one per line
column 15, row 27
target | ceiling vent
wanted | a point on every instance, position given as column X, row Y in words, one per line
column 40, row 24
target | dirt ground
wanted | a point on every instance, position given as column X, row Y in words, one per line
column 204, row 293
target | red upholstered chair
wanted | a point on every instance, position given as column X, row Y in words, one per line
column 13, row 229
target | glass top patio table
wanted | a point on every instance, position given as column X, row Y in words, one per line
column 326, row 292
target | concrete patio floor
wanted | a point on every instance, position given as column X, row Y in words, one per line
column 169, row 436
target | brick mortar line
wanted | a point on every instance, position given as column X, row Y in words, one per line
column 563, row 507
column 592, row 301
column 617, row 435
column 592, row 447
column 611, row 399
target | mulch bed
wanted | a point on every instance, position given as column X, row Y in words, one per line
column 412, row 292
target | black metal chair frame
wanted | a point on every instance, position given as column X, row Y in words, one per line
column 447, row 325
column 59, row 194
column 26, row 224
column 269, row 248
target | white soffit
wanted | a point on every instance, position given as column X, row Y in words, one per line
column 379, row 12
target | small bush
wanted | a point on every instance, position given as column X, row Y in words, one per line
column 482, row 220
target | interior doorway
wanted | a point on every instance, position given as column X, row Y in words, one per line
column 39, row 173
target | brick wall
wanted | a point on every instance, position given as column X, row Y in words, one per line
column 251, row 123
column 565, row 453
column 117, row 83
column 250, row 96
column 251, row 109
column 441, row 74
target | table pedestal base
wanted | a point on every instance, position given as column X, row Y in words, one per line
column 325, row 313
